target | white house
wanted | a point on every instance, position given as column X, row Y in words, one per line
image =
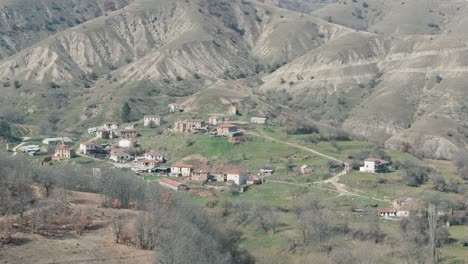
column 387, row 212
column 87, row 147
column 258, row 120
column 57, row 141
column 154, row 155
column 151, row 120
column 127, row 143
column 181, row 169
column 119, row 155
column 239, row 177
column 373, row 165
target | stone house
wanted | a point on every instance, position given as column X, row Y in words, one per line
column 127, row 143
column 63, row 152
column 128, row 133
column 225, row 129
column 181, row 170
column 189, row 126
column 215, row 120
column 148, row 163
column 200, row 175
column 105, row 134
column 232, row 110
column 151, row 120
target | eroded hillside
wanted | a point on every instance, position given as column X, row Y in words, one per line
column 403, row 88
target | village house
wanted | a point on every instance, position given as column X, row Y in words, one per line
column 154, row 155
column 239, row 177
column 181, row 127
column 189, row 126
column 174, row 108
column 151, row 120
column 387, row 212
column 258, row 120
column 57, row 141
column 119, row 155
column 110, row 125
column 87, row 148
column 105, row 134
column 267, row 170
column 254, row 180
column 196, row 124
column 373, row 165
column 215, row 120
column 128, row 133
column 127, row 143
column 232, row 110
column 181, row 170
column 148, row 163
column 200, row 175
column 225, row 129
column 63, row 152
column 402, row 207
column 173, row 185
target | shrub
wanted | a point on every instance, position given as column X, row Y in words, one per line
column 54, row 85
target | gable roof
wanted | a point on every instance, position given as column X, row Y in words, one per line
column 381, row 161
column 118, row 152
column 170, row 182
column 236, row 172
column 153, row 152
column 227, row 125
column 181, row 165
column 151, row 116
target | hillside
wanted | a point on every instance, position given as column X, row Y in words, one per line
column 398, row 89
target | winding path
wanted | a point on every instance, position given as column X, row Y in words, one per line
column 340, row 187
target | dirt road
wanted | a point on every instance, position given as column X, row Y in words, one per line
column 340, row 187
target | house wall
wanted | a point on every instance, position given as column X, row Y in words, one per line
column 238, row 179
column 369, row 166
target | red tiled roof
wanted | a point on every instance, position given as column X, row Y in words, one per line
column 227, row 125
column 181, row 165
column 236, row 171
column 87, row 143
column 381, row 161
column 385, row 210
column 170, row 182
column 413, row 206
column 153, row 152
column 118, row 152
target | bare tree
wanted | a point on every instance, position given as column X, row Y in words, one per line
column 261, row 217
column 432, row 220
column 118, row 224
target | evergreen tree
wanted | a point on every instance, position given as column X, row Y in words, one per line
column 126, row 111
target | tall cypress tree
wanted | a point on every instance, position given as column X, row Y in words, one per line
column 126, row 111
